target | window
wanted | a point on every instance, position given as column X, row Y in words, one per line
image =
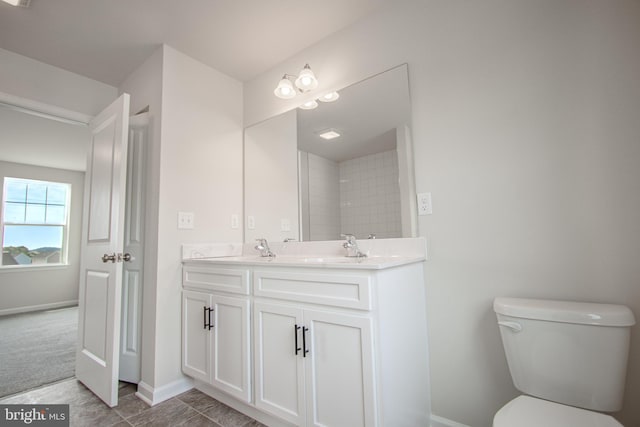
column 34, row 222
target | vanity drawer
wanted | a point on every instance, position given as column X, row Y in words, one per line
column 234, row 281
column 339, row 290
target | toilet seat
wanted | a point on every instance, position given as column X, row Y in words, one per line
column 527, row 411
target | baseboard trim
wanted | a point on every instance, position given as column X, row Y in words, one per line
column 437, row 421
column 152, row 396
column 39, row 307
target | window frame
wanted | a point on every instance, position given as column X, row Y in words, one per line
column 64, row 247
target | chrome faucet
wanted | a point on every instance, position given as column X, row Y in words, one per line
column 264, row 249
column 352, row 246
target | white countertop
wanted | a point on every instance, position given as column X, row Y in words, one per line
column 370, row 263
column 381, row 254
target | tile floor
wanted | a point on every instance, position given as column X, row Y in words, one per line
column 192, row 408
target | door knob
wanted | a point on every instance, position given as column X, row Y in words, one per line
column 109, row 257
column 126, row 257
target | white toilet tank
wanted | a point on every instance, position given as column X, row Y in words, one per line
column 567, row 352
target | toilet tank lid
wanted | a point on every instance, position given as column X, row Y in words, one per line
column 565, row 311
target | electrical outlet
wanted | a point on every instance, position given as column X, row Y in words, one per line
column 185, row 220
column 285, row 224
column 235, row 221
column 251, row 222
column 424, row 204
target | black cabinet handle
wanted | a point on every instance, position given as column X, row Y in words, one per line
column 305, row 350
column 295, row 332
column 205, row 317
column 210, row 323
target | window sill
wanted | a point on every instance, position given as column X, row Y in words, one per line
column 31, row 268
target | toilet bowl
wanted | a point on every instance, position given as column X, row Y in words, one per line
column 527, row 411
column 569, row 358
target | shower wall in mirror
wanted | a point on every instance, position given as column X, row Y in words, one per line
column 359, row 183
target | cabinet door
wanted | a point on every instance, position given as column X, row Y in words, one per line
column 279, row 373
column 230, row 347
column 339, row 370
column 196, row 336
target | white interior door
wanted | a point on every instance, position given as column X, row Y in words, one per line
column 130, row 338
column 97, row 360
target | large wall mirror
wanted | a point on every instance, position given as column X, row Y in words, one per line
column 303, row 187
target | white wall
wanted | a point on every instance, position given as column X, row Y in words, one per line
column 145, row 87
column 27, row 289
column 271, row 179
column 200, row 172
column 525, row 126
column 195, row 165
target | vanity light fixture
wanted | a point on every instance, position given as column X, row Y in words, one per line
column 305, row 82
column 329, row 134
column 19, row 3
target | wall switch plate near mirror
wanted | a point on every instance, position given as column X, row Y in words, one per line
column 361, row 182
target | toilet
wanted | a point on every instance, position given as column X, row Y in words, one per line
column 568, row 358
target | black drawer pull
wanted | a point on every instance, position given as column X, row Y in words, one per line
column 305, row 350
column 295, row 332
column 205, row 317
column 210, row 323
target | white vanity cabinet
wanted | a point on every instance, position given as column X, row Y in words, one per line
column 313, row 367
column 341, row 345
column 215, row 329
column 313, row 360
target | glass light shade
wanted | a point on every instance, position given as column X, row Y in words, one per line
column 309, row 105
column 329, row 97
column 285, row 89
column 306, row 80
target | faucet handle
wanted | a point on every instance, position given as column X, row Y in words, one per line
column 263, row 247
column 350, row 237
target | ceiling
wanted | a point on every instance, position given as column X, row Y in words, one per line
column 107, row 39
column 33, row 140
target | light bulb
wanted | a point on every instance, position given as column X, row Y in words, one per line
column 285, row 89
column 306, row 80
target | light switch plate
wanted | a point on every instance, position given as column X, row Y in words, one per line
column 235, row 221
column 251, row 222
column 424, row 204
column 185, row 220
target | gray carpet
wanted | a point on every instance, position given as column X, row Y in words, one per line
column 37, row 348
